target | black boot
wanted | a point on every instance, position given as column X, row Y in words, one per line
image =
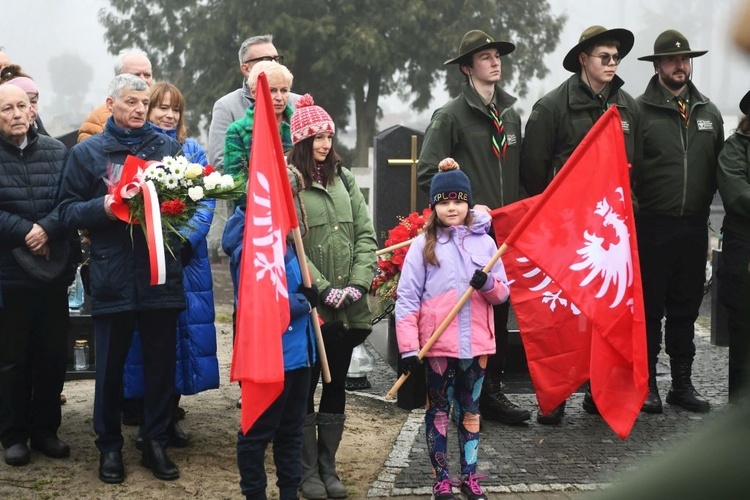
column 493, row 405
column 154, row 457
column 588, row 404
column 653, row 400
column 111, row 469
column 552, row 418
column 683, row 393
column 177, row 436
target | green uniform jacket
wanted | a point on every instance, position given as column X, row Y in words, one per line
column 734, row 183
column 560, row 120
column 462, row 130
column 676, row 175
column 239, row 138
column 340, row 246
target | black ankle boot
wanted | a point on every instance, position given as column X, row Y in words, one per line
column 177, row 437
column 552, row 418
column 653, row 400
column 588, row 404
column 683, row 393
column 111, row 468
column 494, row 405
column 155, row 457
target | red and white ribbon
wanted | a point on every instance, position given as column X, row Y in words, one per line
column 154, row 234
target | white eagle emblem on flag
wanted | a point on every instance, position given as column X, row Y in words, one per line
column 269, row 256
column 613, row 264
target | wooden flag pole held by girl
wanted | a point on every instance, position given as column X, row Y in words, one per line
column 393, row 248
column 447, row 321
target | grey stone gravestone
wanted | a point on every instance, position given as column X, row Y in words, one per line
column 392, row 195
column 392, row 183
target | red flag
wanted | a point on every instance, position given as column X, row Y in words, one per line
column 556, row 336
column 581, row 235
column 263, row 300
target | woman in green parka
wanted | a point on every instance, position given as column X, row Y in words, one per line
column 340, row 247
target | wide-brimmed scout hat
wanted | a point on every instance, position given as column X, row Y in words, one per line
column 593, row 34
column 745, row 104
column 672, row 43
column 476, row 40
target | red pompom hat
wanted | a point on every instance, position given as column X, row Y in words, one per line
column 309, row 120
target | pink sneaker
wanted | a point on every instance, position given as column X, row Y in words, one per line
column 443, row 490
column 471, row 489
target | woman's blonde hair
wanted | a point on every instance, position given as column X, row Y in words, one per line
column 272, row 69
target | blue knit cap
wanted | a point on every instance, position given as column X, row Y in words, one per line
column 450, row 184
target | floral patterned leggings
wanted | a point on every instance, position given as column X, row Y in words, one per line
column 457, row 382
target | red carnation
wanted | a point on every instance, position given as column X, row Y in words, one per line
column 173, row 207
column 208, row 170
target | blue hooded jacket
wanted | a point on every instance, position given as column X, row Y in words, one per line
column 298, row 340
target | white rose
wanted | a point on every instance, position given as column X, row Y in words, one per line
column 193, row 170
column 212, row 180
column 227, row 181
column 195, row 193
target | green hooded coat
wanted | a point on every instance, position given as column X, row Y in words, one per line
column 340, row 245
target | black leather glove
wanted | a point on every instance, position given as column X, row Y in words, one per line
column 409, row 364
column 478, row 280
column 334, row 329
column 311, row 294
column 186, row 253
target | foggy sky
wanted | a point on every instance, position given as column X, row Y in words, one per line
column 36, row 30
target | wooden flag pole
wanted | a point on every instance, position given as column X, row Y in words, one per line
column 305, row 269
column 444, row 324
column 393, row 248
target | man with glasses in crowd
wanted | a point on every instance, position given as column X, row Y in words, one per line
column 233, row 106
column 560, row 119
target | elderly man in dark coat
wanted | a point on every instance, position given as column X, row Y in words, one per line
column 119, row 280
column 38, row 257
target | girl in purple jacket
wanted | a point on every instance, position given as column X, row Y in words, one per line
column 439, row 266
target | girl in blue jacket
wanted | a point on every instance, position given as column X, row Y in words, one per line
column 282, row 421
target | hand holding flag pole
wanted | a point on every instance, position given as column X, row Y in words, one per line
column 305, row 269
column 447, row 321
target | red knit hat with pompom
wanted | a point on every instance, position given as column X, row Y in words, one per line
column 309, row 120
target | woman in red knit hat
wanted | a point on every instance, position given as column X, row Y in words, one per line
column 340, row 246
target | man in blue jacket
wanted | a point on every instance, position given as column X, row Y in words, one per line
column 119, row 277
